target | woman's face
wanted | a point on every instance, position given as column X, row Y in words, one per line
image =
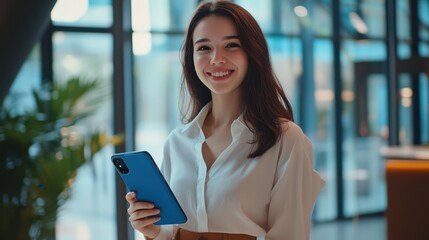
column 220, row 61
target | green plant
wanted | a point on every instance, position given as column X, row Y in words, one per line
column 40, row 153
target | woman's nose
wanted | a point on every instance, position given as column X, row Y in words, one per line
column 217, row 58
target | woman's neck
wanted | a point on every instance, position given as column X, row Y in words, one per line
column 225, row 109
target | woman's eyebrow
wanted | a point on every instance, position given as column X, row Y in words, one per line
column 224, row 38
column 230, row 37
column 202, row 40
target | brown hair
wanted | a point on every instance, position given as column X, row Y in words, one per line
column 266, row 105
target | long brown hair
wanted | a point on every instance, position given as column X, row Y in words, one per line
column 266, row 104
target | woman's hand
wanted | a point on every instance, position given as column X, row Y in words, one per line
column 143, row 216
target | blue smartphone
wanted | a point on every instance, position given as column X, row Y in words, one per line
column 141, row 175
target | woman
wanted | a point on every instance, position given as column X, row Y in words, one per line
column 240, row 167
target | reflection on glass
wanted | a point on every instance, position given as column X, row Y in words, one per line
column 90, row 212
column 69, row 10
column 96, row 13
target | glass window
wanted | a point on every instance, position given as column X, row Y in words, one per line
column 424, row 27
column 288, row 17
column 90, row 211
column 94, row 13
column 324, row 136
column 363, row 19
column 157, row 93
column 424, row 107
column 403, row 19
column 365, row 126
column 265, row 14
column 161, row 15
column 405, row 110
column 423, row 6
column 424, row 50
column 286, row 60
column 373, row 23
column 27, row 80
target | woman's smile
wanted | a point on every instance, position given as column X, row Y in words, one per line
column 220, row 75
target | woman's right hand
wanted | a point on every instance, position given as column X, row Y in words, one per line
column 143, row 216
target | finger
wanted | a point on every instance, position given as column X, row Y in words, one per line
column 143, row 214
column 143, row 205
column 137, row 206
column 130, row 197
column 142, row 223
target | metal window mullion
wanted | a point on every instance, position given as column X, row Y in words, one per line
column 415, row 85
column 123, row 101
column 391, row 72
column 336, row 42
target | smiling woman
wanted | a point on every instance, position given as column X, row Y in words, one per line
column 220, row 61
column 240, row 167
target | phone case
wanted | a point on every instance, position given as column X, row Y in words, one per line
column 146, row 180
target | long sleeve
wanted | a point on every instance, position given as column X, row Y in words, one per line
column 295, row 190
column 165, row 233
column 167, row 230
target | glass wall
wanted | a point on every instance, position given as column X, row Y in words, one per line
column 90, row 212
column 94, row 13
column 28, row 79
column 364, row 100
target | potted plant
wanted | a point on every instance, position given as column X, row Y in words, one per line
column 40, row 153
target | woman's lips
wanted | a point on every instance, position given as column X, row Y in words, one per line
column 220, row 75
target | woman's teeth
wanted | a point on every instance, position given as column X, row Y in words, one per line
column 219, row 74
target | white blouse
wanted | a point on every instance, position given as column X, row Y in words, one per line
column 271, row 196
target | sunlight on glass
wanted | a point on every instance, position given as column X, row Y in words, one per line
column 72, row 64
column 300, row 11
column 79, row 228
column 358, row 23
column 69, row 10
column 142, row 43
column 140, row 14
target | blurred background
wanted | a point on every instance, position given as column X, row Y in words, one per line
column 356, row 72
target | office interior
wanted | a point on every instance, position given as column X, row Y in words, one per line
column 355, row 71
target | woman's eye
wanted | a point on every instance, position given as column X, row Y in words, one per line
column 203, row 48
column 232, row 45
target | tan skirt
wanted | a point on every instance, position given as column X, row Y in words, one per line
column 182, row 234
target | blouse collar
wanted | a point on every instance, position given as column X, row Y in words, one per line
column 238, row 125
